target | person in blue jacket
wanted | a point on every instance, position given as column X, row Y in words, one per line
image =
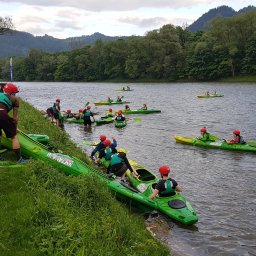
column 8, row 102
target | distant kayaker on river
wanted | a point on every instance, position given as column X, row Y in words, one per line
column 119, row 99
column 8, row 102
column 166, row 186
column 144, row 107
column 109, row 99
column 127, row 107
column 237, row 138
column 87, row 113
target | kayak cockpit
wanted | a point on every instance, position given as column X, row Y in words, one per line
column 145, row 175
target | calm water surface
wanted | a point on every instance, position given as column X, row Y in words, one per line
column 221, row 185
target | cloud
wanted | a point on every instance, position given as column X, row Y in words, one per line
column 144, row 22
column 121, row 5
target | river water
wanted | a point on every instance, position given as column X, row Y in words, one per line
column 221, row 185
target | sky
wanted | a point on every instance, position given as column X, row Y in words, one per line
column 71, row 18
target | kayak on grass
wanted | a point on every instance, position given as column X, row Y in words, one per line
column 42, row 138
column 210, row 95
column 176, row 206
column 110, row 103
column 141, row 111
column 218, row 143
column 104, row 120
column 120, row 124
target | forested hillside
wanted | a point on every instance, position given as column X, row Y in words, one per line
column 227, row 48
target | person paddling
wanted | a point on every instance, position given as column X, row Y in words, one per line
column 166, row 186
column 127, row 107
column 120, row 117
column 205, row 136
column 109, row 113
column 144, row 107
column 237, row 138
column 8, row 102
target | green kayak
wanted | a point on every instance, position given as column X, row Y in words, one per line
column 218, row 143
column 104, row 120
column 175, row 207
column 120, row 124
column 110, row 103
column 42, row 138
column 210, row 95
column 141, row 111
column 75, row 121
column 122, row 90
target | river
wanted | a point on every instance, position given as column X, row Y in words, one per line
column 220, row 185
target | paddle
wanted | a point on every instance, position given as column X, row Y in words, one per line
column 87, row 103
column 88, row 143
column 137, row 119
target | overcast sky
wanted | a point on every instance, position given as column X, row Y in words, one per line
column 70, row 18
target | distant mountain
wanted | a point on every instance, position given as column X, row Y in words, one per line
column 224, row 11
column 17, row 43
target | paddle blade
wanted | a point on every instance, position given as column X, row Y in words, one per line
column 137, row 119
column 87, row 103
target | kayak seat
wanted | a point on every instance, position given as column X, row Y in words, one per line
column 176, row 204
column 145, row 175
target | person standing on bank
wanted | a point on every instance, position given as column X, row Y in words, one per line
column 8, row 102
column 56, row 111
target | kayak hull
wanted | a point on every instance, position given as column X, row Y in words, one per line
column 218, row 144
column 104, row 120
column 210, row 96
column 42, row 138
column 141, row 111
column 120, row 124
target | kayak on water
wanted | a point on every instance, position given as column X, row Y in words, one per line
column 176, row 206
column 75, row 121
column 120, row 124
column 141, row 111
column 122, row 90
column 218, row 143
column 210, row 95
column 74, row 166
column 104, row 120
column 110, row 103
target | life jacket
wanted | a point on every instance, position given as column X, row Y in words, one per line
column 239, row 139
column 5, row 100
column 115, row 159
column 54, row 107
column 119, row 118
column 168, row 188
column 87, row 113
column 108, row 153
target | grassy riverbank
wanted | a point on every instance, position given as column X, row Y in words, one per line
column 44, row 212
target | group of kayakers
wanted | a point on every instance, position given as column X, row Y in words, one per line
column 206, row 136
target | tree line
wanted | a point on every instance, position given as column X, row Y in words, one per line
column 227, row 48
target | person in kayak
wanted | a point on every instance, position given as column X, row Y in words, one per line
column 69, row 114
column 120, row 117
column 127, row 107
column 166, row 186
column 109, row 113
column 87, row 113
column 237, row 138
column 8, row 102
column 144, row 107
column 110, row 100
column 119, row 99
column 119, row 164
column 56, row 112
column 205, row 136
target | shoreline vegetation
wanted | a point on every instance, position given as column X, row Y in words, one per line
column 45, row 212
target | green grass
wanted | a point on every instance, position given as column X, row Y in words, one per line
column 44, row 212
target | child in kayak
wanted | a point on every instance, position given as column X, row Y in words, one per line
column 87, row 113
column 119, row 99
column 237, row 138
column 205, row 136
column 144, row 107
column 120, row 116
column 109, row 99
column 127, row 107
column 109, row 113
column 166, row 186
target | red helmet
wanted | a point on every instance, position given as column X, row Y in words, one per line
column 106, row 143
column 10, row 88
column 203, row 130
column 119, row 112
column 110, row 110
column 88, row 107
column 58, row 100
column 80, row 110
column 68, row 110
column 236, row 132
column 144, row 104
column 126, row 106
column 165, row 169
column 102, row 137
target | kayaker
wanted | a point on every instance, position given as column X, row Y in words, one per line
column 49, row 112
column 109, row 113
column 107, row 151
column 9, row 101
column 205, row 136
column 128, row 88
column 119, row 99
column 87, row 113
column 120, row 116
column 237, row 138
column 145, row 107
column 99, row 146
column 69, row 113
column 208, row 93
column 166, row 186
column 127, row 107
column 119, row 164
column 56, row 112
column 109, row 99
